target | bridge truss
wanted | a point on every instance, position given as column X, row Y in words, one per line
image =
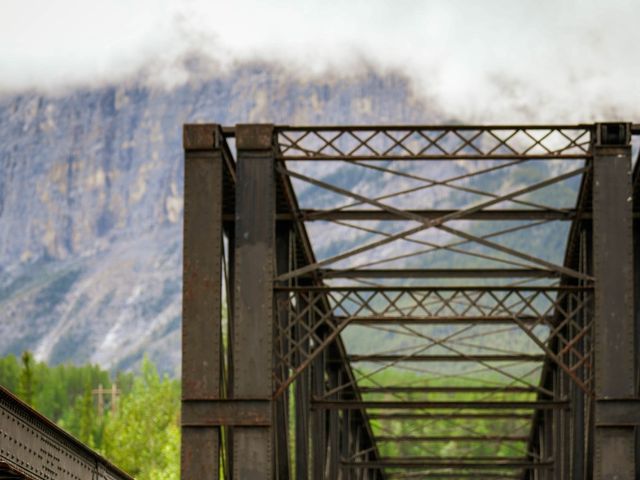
column 399, row 302
column 34, row 448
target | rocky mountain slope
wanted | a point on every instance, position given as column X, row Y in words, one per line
column 91, row 199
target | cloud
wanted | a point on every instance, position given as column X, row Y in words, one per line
column 491, row 61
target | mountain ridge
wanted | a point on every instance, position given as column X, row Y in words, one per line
column 91, row 199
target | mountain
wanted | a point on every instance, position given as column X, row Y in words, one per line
column 91, row 198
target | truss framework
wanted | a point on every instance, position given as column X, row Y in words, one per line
column 351, row 311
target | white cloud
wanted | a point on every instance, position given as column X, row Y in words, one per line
column 495, row 60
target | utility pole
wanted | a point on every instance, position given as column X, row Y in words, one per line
column 100, row 392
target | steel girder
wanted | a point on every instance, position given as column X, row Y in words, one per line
column 272, row 386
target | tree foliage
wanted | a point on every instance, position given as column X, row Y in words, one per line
column 147, row 424
column 142, row 437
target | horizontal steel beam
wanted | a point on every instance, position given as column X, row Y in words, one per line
column 447, row 389
column 439, row 273
column 490, row 463
column 410, row 405
column 450, row 416
column 310, row 215
column 226, row 412
column 449, row 288
column 446, row 358
column 449, row 476
column 436, row 127
column 230, row 131
column 432, row 157
column 449, row 438
column 444, row 320
column 618, row 412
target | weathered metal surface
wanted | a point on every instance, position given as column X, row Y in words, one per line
column 451, row 438
column 440, row 142
column 254, row 137
column 614, row 315
column 449, row 416
column 34, row 448
column 282, row 428
column 430, row 463
column 254, row 274
column 204, row 137
column 483, row 215
column 446, row 358
column 436, row 273
column 226, row 412
column 202, row 290
column 437, row 405
column 618, row 413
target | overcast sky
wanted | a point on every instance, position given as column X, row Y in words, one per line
column 547, row 60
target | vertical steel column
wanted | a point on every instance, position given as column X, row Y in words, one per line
column 302, row 393
column 588, row 345
column 253, row 328
column 577, row 405
column 231, row 267
column 614, row 320
column 319, row 419
column 334, row 423
column 636, row 299
column 201, row 298
column 281, row 433
column 548, row 444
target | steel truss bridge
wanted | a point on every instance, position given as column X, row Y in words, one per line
column 400, row 302
column 397, row 302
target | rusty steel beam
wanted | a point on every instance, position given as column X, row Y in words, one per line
column 449, row 416
column 471, row 463
column 454, row 476
column 450, row 438
column 446, row 389
column 614, row 315
column 227, row 412
column 437, row 405
column 402, row 358
column 310, row 215
column 618, row 412
column 282, row 429
column 636, row 299
column 314, row 215
column 437, row 288
column 34, row 448
column 201, row 298
column 443, row 320
column 381, row 158
column 253, row 317
column 446, row 142
column 439, row 273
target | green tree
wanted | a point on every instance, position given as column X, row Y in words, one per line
column 86, row 416
column 10, row 373
column 143, row 437
column 26, row 386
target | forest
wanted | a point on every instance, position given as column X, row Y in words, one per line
column 139, row 433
